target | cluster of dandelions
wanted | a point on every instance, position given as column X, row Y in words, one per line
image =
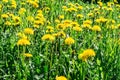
column 24, row 40
column 95, row 20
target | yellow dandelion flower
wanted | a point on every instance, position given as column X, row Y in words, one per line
column 117, row 5
column 67, row 23
column 60, row 26
column 118, row 26
column 109, row 4
column 119, row 16
column 115, row 1
column 48, row 22
column 46, row 9
column 101, row 20
column 74, row 24
column 16, row 19
column 39, row 22
column 90, row 14
column 87, row 26
column 55, row 35
column 34, row 4
column 5, row 1
column 50, row 29
column 100, row 4
column 16, row 24
column 83, row 57
column 13, row 4
column 36, row 26
column 39, row 16
column 11, row 15
column 113, row 21
column 39, row 11
column 61, row 34
column 86, row 53
column 4, row 16
column 87, row 22
column 109, row 9
column 80, row 7
column 8, row 23
column 112, row 27
column 64, row 7
column 96, row 10
column 61, row 78
column 69, row 41
column 48, row 37
column 22, row 11
column 28, row 55
column 61, row 17
column 22, row 35
column 89, row 52
column 77, row 28
column 0, row 7
column 72, row 9
column 30, row 18
column 23, row 41
column 28, row 31
column 57, row 21
column 96, row 28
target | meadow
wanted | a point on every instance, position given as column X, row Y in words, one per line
column 59, row 40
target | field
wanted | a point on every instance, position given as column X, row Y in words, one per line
column 59, row 40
